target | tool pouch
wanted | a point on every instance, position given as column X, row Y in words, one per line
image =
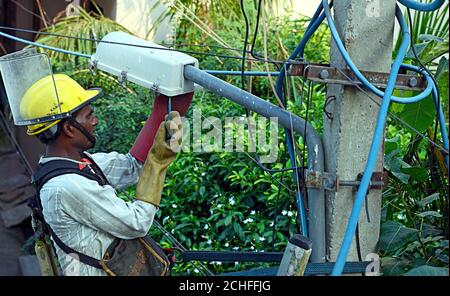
column 135, row 257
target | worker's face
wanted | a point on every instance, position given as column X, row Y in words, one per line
column 86, row 118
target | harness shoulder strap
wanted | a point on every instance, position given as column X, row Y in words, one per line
column 56, row 168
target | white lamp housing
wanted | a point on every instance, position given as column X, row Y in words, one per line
column 160, row 70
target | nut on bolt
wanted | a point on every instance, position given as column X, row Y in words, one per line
column 412, row 82
column 324, row 74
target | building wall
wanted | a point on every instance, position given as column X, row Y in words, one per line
column 138, row 17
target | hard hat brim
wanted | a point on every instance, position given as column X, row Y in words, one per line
column 92, row 94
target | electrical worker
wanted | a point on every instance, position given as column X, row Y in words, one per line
column 82, row 213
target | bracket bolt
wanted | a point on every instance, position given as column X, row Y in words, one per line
column 122, row 79
column 324, row 74
column 328, row 183
column 93, row 67
column 412, row 82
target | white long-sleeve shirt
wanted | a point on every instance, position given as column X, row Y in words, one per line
column 87, row 216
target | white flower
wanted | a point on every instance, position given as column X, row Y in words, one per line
column 248, row 220
column 283, row 212
column 209, row 242
column 174, row 206
column 196, row 270
column 203, row 174
column 227, row 244
column 252, row 248
column 235, row 248
column 290, row 213
column 271, row 224
column 206, row 226
column 219, row 206
column 231, row 200
column 261, row 238
column 252, row 212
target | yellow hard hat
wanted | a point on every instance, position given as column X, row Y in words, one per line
column 40, row 101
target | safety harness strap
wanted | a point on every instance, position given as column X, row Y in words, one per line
column 54, row 168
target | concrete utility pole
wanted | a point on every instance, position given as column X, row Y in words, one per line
column 366, row 28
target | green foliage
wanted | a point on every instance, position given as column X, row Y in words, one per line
column 414, row 231
column 425, row 270
column 83, row 25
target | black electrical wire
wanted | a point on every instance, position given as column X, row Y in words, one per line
column 392, row 115
column 433, row 158
column 255, row 34
column 244, row 48
column 135, row 45
column 260, row 165
column 243, row 87
column 277, row 204
column 358, row 245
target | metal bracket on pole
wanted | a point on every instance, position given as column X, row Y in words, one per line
column 330, row 182
column 327, row 181
column 323, row 73
column 379, row 180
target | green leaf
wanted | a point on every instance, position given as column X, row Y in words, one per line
column 420, row 47
column 427, row 270
column 202, row 190
column 429, row 213
column 393, row 266
column 394, row 164
column 419, row 115
column 228, row 220
column 394, row 236
column 260, row 227
column 442, row 67
column 428, row 199
column 396, row 107
column 391, row 144
column 238, row 229
column 430, row 230
column 417, row 173
column 428, row 37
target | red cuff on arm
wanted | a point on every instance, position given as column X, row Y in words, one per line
column 144, row 140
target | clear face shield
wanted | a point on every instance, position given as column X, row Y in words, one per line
column 30, row 87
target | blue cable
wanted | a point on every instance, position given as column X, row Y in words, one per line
column 246, row 73
column 313, row 24
column 360, row 76
column 436, row 4
column 376, row 143
column 430, row 89
column 44, row 46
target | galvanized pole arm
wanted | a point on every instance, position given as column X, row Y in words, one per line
column 290, row 121
column 264, row 108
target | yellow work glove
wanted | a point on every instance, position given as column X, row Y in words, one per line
column 162, row 153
